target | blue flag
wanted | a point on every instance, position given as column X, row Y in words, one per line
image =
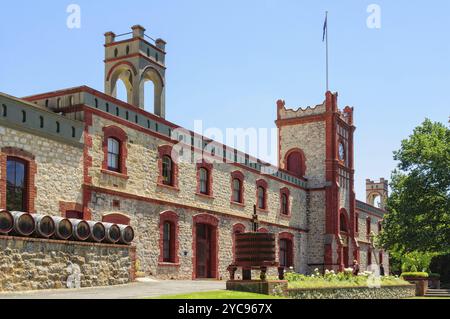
column 325, row 27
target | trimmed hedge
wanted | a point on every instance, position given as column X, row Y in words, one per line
column 388, row 292
column 414, row 274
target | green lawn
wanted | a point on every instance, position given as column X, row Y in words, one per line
column 219, row 294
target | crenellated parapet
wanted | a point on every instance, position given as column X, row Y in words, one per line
column 329, row 105
column 289, row 113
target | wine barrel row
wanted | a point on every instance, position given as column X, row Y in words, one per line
column 55, row 227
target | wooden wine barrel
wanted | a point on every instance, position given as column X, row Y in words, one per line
column 24, row 224
column 112, row 233
column 98, row 231
column 45, row 226
column 81, row 229
column 126, row 234
column 6, row 222
column 64, row 228
column 255, row 249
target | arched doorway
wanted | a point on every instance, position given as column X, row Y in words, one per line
column 205, row 246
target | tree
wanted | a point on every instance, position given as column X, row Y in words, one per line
column 418, row 217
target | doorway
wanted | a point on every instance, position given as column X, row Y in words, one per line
column 204, row 251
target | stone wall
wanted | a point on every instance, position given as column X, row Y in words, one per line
column 30, row 264
column 387, row 292
column 59, row 168
column 309, row 137
column 145, row 219
column 143, row 171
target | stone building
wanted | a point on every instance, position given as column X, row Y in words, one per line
column 84, row 154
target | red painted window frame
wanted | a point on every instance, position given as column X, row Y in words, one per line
column 239, row 176
column 31, row 169
column 302, row 169
column 285, row 191
column 166, row 150
column 209, row 169
column 289, row 238
column 119, row 135
column 261, row 184
column 172, row 218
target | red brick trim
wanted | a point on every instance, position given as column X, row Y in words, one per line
column 261, row 183
column 209, row 168
column 118, row 64
column 120, row 135
column 30, row 162
column 172, row 217
column 214, row 222
column 240, row 176
column 237, row 229
column 116, row 218
column 64, row 207
column 302, row 163
column 285, row 191
column 166, row 150
column 91, row 188
column 291, row 254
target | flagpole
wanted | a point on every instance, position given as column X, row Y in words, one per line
column 326, row 34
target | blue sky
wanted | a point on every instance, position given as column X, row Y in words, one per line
column 229, row 61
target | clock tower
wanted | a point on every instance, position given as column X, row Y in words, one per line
column 316, row 143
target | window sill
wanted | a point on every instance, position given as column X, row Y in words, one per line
column 284, row 216
column 205, row 195
column 115, row 174
column 237, row 204
column 173, row 188
column 167, row 264
column 262, row 210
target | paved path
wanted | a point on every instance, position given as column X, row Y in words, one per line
column 135, row 290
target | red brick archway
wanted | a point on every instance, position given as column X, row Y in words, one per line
column 205, row 247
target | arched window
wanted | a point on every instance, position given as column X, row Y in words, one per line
column 113, row 155
column 16, row 185
column 24, row 116
column 261, row 197
column 41, row 121
column 285, row 252
column 237, row 187
column 237, row 190
column 167, row 171
column 203, row 181
column 284, row 202
column 168, row 239
column 4, row 110
column 284, row 206
column 343, row 221
column 168, row 228
column 295, row 162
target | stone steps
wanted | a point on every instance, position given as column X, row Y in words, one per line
column 438, row 293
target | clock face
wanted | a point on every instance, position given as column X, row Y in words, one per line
column 341, row 152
